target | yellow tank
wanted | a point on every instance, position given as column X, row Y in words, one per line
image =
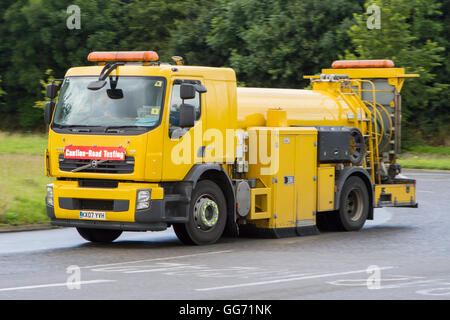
column 303, row 107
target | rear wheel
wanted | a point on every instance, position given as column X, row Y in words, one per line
column 354, row 205
column 99, row 235
column 207, row 215
column 353, row 210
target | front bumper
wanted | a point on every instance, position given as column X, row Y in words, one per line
column 70, row 198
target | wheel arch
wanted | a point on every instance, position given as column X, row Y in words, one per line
column 217, row 174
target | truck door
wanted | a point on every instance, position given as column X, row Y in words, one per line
column 182, row 146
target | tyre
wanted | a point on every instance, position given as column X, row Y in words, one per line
column 207, row 215
column 354, row 205
column 99, row 235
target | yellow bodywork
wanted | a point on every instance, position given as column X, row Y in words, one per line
column 395, row 195
column 289, row 179
column 153, row 150
column 325, row 188
column 124, row 191
column 303, row 107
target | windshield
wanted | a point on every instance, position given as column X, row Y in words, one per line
column 123, row 102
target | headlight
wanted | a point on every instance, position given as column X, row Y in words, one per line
column 49, row 198
column 143, row 199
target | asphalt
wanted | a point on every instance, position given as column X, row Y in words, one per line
column 403, row 254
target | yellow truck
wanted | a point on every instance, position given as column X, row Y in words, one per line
column 140, row 145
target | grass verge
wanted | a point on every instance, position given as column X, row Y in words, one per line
column 426, row 157
column 430, row 150
column 22, row 143
column 22, row 179
column 22, row 190
column 424, row 161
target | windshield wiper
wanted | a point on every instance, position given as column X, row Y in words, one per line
column 117, row 128
column 70, row 126
column 81, row 129
column 77, row 127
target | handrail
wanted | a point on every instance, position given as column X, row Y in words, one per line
column 374, row 107
column 365, row 109
column 374, row 141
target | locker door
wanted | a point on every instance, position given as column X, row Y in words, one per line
column 306, row 179
column 284, row 188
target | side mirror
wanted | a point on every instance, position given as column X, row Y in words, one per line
column 187, row 116
column 48, row 111
column 200, row 88
column 114, row 93
column 187, row 91
column 52, row 90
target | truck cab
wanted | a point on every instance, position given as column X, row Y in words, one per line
column 111, row 148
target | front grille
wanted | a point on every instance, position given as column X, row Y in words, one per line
column 110, row 166
column 97, row 183
column 93, row 204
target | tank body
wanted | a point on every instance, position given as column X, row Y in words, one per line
column 303, row 107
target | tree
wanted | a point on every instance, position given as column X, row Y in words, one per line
column 268, row 42
column 188, row 36
column 35, row 38
column 408, row 34
column 149, row 24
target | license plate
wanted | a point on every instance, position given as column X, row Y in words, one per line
column 93, row 215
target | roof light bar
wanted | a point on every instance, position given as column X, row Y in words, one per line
column 122, row 56
column 341, row 64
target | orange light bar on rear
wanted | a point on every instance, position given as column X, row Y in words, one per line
column 341, row 64
column 119, row 56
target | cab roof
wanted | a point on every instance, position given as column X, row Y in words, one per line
column 162, row 70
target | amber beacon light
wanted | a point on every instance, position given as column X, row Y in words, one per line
column 340, row 64
column 105, row 56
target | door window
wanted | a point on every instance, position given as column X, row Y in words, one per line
column 175, row 103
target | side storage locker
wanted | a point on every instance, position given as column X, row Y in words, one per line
column 306, row 182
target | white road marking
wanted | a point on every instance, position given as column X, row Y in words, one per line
column 445, row 291
column 56, row 285
column 363, row 282
column 259, row 283
column 158, row 259
column 425, row 179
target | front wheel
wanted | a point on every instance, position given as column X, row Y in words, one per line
column 99, row 235
column 207, row 215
